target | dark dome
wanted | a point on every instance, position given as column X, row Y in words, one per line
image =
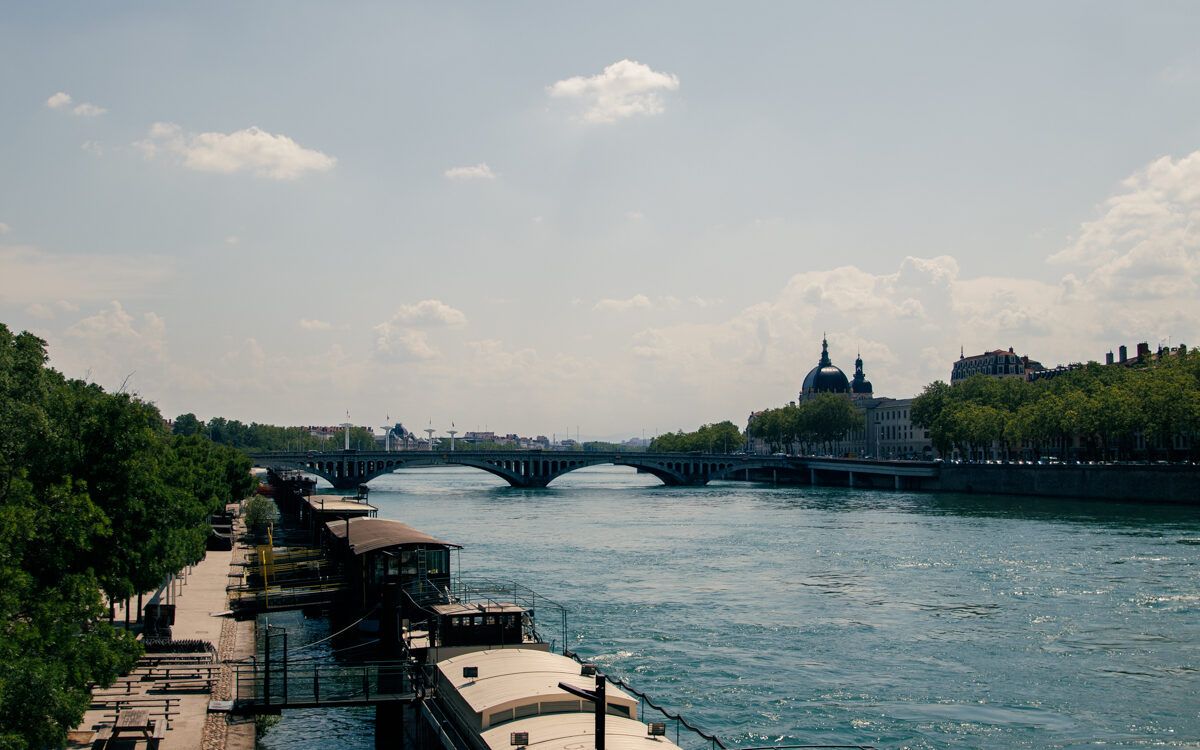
column 824, row 378
column 827, row 379
column 861, row 386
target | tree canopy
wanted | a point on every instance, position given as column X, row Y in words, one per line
column 1092, row 411
column 268, row 437
column 719, row 437
column 818, row 422
column 96, row 498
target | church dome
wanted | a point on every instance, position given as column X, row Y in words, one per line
column 860, row 386
column 825, row 377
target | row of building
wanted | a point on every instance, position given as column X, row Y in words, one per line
column 888, row 430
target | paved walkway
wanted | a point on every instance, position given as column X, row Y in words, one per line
column 199, row 600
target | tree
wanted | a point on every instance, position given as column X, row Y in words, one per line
column 187, row 424
column 720, row 437
column 95, row 496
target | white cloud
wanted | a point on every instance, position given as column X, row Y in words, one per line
column 83, row 109
column 49, row 312
column 315, row 325
column 88, row 110
column 634, row 215
column 480, row 171
column 623, row 89
column 31, row 275
column 4, row 228
column 251, row 150
column 636, row 302
column 232, row 239
column 1146, row 244
column 393, row 344
column 399, row 339
column 92, row 147
column 428, row 312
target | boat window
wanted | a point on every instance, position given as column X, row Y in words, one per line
column 616, row 710
column 526, row 710
column 478, row 620
column 500, row 717
column 560, row 707
column 491, row 620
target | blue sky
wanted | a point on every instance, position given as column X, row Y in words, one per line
column 624, row 217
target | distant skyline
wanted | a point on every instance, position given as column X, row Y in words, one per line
column 541, row 217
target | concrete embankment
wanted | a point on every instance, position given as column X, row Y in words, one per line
column 1135, row 483
column 1139, row 483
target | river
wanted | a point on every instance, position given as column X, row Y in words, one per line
column 779, row 615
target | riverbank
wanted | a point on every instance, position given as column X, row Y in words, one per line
column 1175, row 484
column 1169, row 483
column 200, row 603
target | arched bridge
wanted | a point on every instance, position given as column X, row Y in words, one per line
column 348, row 469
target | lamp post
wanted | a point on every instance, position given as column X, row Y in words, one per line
column 594, row 696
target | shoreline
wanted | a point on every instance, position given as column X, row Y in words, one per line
column 1170, row 484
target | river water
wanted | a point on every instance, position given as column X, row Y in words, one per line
column 786, row 615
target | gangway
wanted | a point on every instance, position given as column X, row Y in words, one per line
column 269, row 687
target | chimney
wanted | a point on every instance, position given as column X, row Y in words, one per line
column 1108, row 358
column 1143, row 351
column 1123, row 352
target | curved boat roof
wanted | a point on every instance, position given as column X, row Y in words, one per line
column 367, row 534
column 513, row 677
column 573, row 731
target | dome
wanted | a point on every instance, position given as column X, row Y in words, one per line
column 829, row 379
column 824, row 378
column 860, row 386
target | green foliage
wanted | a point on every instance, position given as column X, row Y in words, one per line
column 719, row 437
column 817, row 422
column 260, row 512
column 1093, row 411
column 187, row 424
column 266, row 437
column 95, row 497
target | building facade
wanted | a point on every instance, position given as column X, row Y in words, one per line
column 996, row 364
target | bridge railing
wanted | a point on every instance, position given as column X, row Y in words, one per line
column 312, row 683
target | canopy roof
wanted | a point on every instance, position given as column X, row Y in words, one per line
column 519, row 676
column 575, row 730
column 367, row 534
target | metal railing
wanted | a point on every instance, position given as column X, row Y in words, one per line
column 311, row 684
column 492, row 591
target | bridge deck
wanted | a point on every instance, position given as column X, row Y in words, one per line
column 259, row 688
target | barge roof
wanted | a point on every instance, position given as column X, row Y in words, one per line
column 369, row 534
column 513, row 677
column 572, row 731
column 337, row 504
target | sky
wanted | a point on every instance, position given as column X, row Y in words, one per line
column 610, row 220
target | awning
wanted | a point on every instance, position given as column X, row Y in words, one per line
column 367, row 534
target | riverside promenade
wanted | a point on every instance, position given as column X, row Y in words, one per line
column 183, row 707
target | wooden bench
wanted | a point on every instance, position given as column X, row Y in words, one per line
column 183, row 685
column 146, row 702
column 167, row 717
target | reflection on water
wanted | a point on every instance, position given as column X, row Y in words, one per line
column 826, row 615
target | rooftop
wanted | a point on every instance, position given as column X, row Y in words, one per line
column 368, row 534
column 517, row 676
column 573, row 731
column 338, row 504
